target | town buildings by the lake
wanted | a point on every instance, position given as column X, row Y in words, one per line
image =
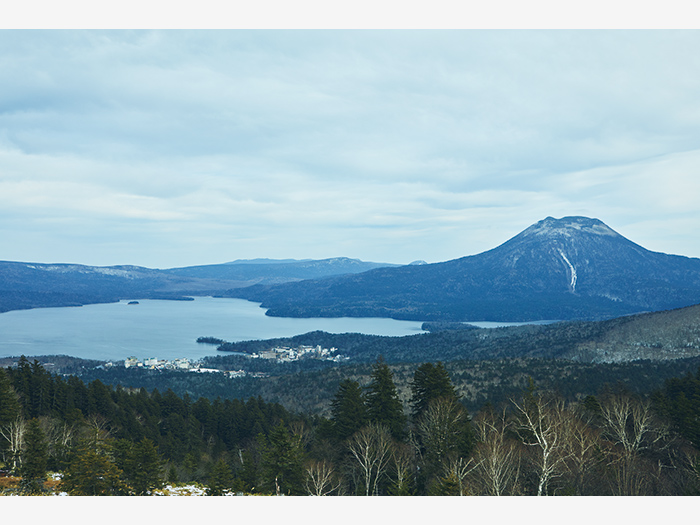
column 280, row 354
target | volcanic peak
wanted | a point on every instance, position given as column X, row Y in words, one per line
column 567, row 226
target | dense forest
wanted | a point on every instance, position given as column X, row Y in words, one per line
column 308, row 386
column 104, row 440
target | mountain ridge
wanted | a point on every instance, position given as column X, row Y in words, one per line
column 556, row 269
column 26, row 285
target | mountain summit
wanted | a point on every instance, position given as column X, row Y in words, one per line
column 569, row 268
column 568, row 226
column 584, row 255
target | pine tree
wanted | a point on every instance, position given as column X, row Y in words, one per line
column 34, row 459
column 140, row 464
column 447, row 485
column 283, row 471
column 430, row 382
column 348, row 411
column 441, row 425
column 92, row 473
column 382, row 400
column 220, row 480
column 248, row 477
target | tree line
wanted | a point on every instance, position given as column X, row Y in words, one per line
column 114, row 441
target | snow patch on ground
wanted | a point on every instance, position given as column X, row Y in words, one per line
column 181, row 490
column 187, row 490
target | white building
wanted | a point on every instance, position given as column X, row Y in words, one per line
column 182, row 363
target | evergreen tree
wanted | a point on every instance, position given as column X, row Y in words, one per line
column 140, row 464
column 173, row 476
column 679, row 403
column 283, row 471
column 248, row 477
column 382, row 400
column 446, row 485
column 348, row 411
column 220, row 480
column 9, row 404
column 92, row 473
column 441, row 424
column 190, row 466
column 34, row 459
column 430, row 382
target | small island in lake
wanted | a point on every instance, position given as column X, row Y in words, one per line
column 210, row 340
column 133, row 302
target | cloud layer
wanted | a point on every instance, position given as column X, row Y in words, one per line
column 171, row 148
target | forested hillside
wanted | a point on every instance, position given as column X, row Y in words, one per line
column 670, row 334
column 310, row 389
column 375, row 440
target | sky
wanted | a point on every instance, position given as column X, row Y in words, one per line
column 168, row 148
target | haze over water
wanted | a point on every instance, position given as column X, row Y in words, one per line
column 163, row 329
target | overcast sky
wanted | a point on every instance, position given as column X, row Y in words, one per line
column 176, row 148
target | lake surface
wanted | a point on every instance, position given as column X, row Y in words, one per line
column 163, row 329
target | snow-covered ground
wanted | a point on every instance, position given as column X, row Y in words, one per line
column 167, row 490
column 181, row 490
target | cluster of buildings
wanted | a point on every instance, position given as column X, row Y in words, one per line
column 281, row 354
column 154, row 363
column 186, row 365
column 286, row 354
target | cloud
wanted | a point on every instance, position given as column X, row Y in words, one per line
column 188, row 147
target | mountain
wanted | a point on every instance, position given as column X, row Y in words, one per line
column 557, row 269
column 271, row 271
column 34, row 285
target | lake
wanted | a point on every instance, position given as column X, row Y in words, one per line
column 163, row 329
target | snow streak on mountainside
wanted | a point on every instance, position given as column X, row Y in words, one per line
column 573, row 271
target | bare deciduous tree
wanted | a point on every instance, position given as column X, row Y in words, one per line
column 321, row 479
column 301, row 433
column 542, row 424
column 14, row 434
column 439, row 427
column 631, row 428
column 583, row 441
column 496, row 457
column 459, row 469
column 59, row 434
column 403, row 458
column 371, row 449
column 98, row 430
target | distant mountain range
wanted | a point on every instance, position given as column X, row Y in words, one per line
column 34, row 285
column 557, row 269
column 273, row 271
